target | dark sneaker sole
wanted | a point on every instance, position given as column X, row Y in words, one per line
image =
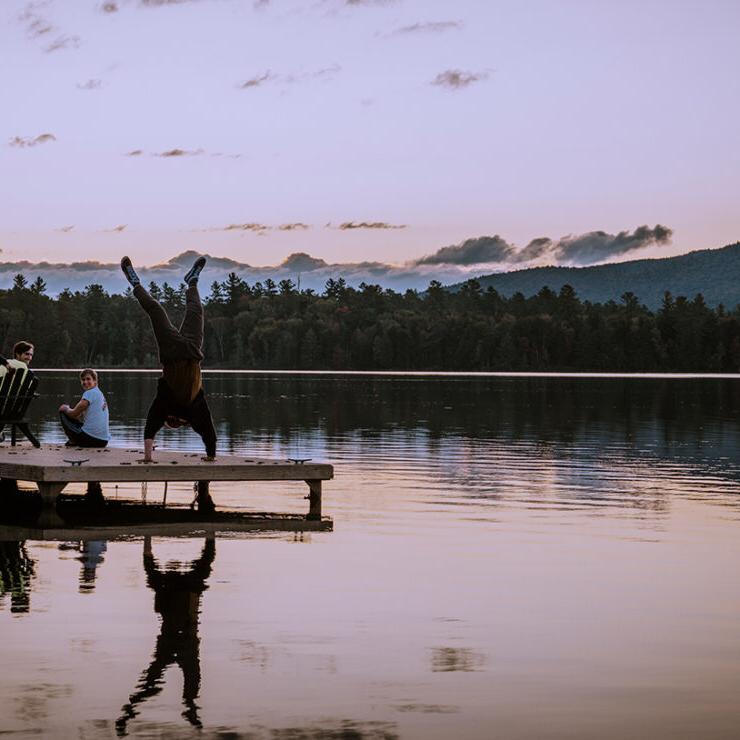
column 128, row 271
column 194, row 272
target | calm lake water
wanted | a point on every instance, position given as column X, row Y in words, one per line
column 512, row 558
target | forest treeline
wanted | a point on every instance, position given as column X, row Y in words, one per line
column 276, row 326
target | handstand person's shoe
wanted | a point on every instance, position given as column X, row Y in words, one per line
column 192, row 275
column 129, row 272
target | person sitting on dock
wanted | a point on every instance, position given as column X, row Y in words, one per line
column 86, row 425
column 22, row 356
column 180, row 399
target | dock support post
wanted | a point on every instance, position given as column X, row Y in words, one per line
column 314, row 500
column 203, row 499
column 48, row 517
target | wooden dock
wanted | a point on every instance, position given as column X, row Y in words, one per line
column 52, row 467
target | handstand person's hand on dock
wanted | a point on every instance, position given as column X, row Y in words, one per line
column 180, row 400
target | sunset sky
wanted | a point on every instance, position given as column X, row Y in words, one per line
column 368, row 130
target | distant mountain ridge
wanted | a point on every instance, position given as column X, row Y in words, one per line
column 715, row 273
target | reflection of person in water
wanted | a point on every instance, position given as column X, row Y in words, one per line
column 92, row 554
column 16, row 572
column 177, row 601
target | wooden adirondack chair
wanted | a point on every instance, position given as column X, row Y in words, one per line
column 16, row 392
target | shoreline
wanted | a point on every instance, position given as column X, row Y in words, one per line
column 423, row 373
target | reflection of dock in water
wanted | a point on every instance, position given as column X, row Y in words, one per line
column 161, row 522
column 52, row 467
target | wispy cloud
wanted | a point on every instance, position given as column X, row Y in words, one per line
column 246, row 227
column 370, row 3
column 269, row 77
column 457, row 79
column 349, row 225
column 258, row 228
column 582, row 249
column 25, row 142
column 177, row 152
column 91, row 84
column 329, row 71
column 258, row 80
column 180, row 153
column 427, row 28
column 38, row 27
column 63, row 42
column 160, row 3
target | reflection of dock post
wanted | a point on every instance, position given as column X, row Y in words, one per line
column 48, row 517
column 314, row 500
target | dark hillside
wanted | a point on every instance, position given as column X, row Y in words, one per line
column 715, row 273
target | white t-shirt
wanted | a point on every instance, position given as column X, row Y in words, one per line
column 96, row 414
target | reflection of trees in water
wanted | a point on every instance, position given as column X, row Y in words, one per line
column 448, row 659
column 177, row 601
column 339, row 730
column 552, row 410
column 35, row 702
column 17, row 571
column 691, row 423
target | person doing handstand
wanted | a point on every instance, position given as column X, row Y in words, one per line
column 180, row 399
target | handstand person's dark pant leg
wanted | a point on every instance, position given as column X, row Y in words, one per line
column 171, row 344
column 191, row 328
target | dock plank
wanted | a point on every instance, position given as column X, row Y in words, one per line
column 50, row 464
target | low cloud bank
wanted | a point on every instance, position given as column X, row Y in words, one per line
column 449, row 264
column 582, row 249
